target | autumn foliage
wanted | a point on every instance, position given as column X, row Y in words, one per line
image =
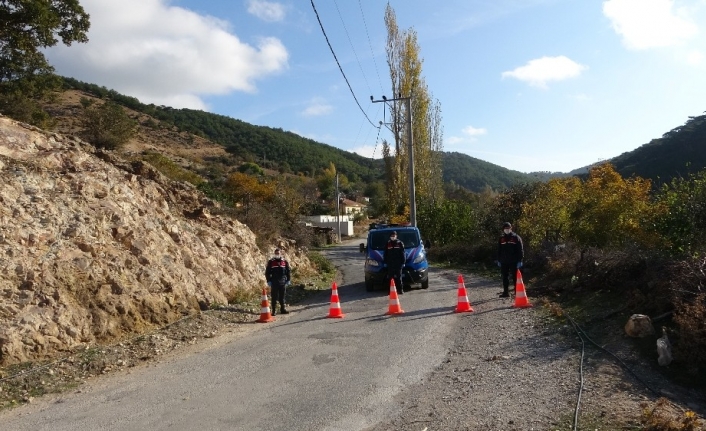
column 600, row 232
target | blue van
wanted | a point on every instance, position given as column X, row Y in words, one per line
column 416, row 267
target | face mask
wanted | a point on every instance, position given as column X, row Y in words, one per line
column 277, row 255
column 507, row 231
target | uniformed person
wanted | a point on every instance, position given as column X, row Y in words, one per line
column 510, row 255
column 278, row 278
column 395, row 259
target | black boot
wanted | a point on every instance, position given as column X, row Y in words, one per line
column 283, row 310
column 505, row 294
column 274, row 311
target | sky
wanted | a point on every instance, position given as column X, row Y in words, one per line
column 529, row 85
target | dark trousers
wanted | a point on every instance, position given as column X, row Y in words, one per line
column 394, row 273
column 278, row 291
column 508, row 270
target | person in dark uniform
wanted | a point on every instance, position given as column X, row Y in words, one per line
column 510, row 255
column 395, row 258
column 278, row 278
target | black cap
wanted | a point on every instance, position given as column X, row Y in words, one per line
column 394, row 232
column 507, row 225
column 277, row 250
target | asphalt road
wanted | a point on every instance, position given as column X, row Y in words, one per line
column 302, row 372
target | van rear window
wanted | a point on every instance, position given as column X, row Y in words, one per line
column 379, row 239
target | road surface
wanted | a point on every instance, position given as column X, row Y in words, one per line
column 302, row 372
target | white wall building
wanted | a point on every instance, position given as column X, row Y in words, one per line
column 332, row 222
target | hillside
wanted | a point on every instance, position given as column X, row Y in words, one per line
column 475, row 174
column 273, row 148
column 677, row 153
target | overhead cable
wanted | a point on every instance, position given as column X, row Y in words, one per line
column 339, row 64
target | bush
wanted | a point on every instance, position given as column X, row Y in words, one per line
column 321, row 263
column 107, row 126
column 26, row 110
column 170, row 169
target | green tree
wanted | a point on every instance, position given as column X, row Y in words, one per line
column 327, row 182
column 108, row 126
column 681, row 219
column 405, row 67
column 27, row 27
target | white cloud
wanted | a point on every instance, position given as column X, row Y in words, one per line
column 695, row 58
column 542, row 70
column 266, row 11
column 647, row 24
column 164, row 54
column 470, row 134
column 368, row 151
column 317, row 108
column 473, row 132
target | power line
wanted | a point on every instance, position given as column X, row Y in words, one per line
column 372, row 52
column 343, row 23
column 339, row 64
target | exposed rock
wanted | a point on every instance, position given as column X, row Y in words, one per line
column 639, row 326
column 93, row 247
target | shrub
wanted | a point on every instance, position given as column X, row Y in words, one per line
column 107, row 126
column 26, row 110
column 170, row 169
column 662, row 417
column 321, row 263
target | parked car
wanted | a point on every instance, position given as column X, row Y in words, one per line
column 415, row 271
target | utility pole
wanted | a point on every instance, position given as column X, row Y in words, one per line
column 338, row 209
column 412, row 193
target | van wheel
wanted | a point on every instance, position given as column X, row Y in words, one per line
column 425, row 284
column 369, row 286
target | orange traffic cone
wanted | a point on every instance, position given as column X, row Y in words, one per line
column 335, row 309
column 521, row 300
column 265, row 315
column 395, row 307
column 463, row 305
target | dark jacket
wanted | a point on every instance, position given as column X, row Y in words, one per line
column 277, row 271
column 394, row 254
column 510, row 249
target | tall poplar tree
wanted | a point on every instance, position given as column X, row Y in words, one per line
column 405, row 64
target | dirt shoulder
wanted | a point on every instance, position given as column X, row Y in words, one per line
column 520, row 369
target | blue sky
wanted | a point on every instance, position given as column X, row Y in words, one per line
column 530, row 85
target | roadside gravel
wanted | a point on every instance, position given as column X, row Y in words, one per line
column 519, row 369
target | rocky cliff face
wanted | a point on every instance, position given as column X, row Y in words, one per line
column 93, row 248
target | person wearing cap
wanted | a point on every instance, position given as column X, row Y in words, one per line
column 510, row 255
column 394, row 258
column 278, row 278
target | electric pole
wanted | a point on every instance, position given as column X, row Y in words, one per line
column 412, row 193
column 338, row 209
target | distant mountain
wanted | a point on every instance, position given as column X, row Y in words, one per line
column 475, row 174
column 677, row 153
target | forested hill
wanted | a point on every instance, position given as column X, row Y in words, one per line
column 475, row 174
column 677, row 153
column 269, row 147
column 289, row 152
